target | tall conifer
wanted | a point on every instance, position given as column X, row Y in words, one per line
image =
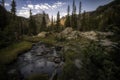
column 67, row 22
column 13, row 9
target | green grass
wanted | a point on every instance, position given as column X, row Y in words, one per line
column 9, row 54
column 31, row 39
column 47, row 40
column 38, row 77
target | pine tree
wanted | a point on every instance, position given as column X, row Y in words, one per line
column 54, row 20
column 79, row 16
column 83, row 21
column 50, row 27
column 74, row 16
column 67, row 22
column 58, row 21
column 52, row 23
column 3, row 3
column 74, row 7
column 3, row 18
column 32, row 25
column 44, row 23
column 80, row 6
column 30, row 22
column 13, row 9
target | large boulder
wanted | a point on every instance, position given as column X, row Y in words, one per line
column 69, row 34
column 90, row 35
column 73, row 35
column 42, row 34
column 67, row 31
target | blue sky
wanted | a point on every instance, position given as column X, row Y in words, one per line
column 52, row 6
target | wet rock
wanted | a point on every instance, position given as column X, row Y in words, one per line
column 33, row 51
column 57, row 59
column 39, row 43
column 12, row 71
column 58, row 48
column 34, row 47
column 39, row 54
column 78, row 63
column 44, row 53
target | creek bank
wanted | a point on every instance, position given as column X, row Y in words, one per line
column 10, row 53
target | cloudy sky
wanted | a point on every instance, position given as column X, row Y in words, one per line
column 52, row 6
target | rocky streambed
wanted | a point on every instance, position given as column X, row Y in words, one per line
column 41, row 59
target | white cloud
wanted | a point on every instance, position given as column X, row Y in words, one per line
column 45, row 6
column 7, row 4
column 24, row 13
column 25, row 8
column 36, row 8
column 57, row 4
column 30, row 6
column 41, row 6
column 63, row 14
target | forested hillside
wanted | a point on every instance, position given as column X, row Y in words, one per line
column 104, row 18
column 13, row 27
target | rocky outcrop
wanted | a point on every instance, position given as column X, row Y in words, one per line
column 69, row 33
column 62, row 20
column 90, row 35
column 38, row 20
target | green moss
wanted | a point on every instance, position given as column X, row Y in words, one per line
column 38, row 77
column 10, row 53
column 70, row 55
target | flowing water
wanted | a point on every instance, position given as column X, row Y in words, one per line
column 41, row 59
